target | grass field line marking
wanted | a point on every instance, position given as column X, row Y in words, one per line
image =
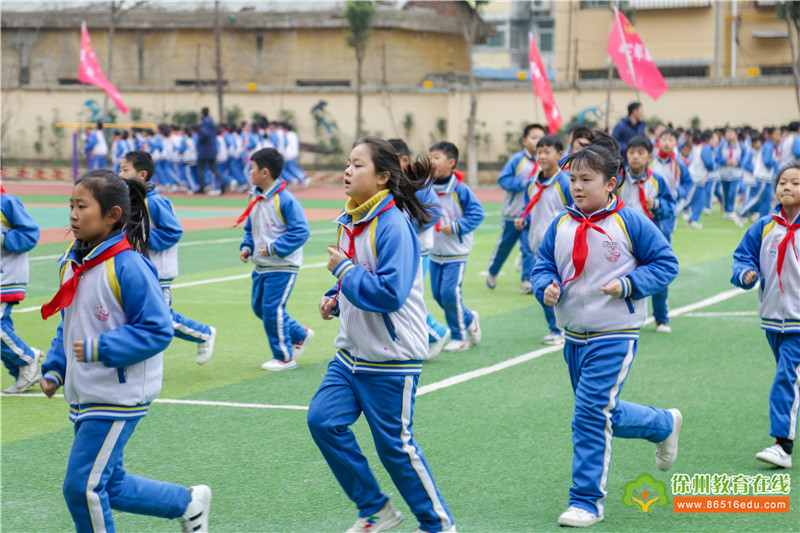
column 188, row 402
column 721, row 313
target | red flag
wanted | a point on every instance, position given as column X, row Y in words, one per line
column 633, row 61
column 90, row 72
column 541, row 87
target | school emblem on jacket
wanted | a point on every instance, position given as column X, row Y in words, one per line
column 101, row 313
column 773, row 246
column 612, row 251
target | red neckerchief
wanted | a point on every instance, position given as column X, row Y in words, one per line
column 66, row 293
column 253, row 203
column 536, row 197
column 789, row 237
column 640, row 185
column 580, row 250
column 674, row 163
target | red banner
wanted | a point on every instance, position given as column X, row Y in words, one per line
column 541, row 87
column 90, row 72
column 633, row 61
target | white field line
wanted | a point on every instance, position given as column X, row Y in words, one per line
column 721, row 314
column 454, row 380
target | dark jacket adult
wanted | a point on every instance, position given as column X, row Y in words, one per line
column 626, row 130
column 207, row 139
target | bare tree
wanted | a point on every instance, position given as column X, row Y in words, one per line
column 790, row 11
column 469, row 24
column 358, row 15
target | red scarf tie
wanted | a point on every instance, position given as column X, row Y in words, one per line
column 788, row 238
column 66, row 293
column 536, row 197
column 580, row 250
column 642, row 194
column 253, row 203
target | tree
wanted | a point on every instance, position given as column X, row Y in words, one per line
column 790, row 12
column 358, row 15
column 469, row 25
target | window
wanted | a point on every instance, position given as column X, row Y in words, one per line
column 775, row 70
column 199, row 83
column 322, row 83
column 594, row 4
column 500, row 40
column 545, row 37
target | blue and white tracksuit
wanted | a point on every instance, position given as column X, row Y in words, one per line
column 119, row 147
column 96, row 149
column 165, row 232
column 463, row 212
column 292, row 152
column 381, row 344
column 555, row 197
column 602, row 334
column 515, row 177
column 779, row 311
column 20, row 235
column 702, row 164
column 763, row 165
column 120, row 314
column 730, row 174
column 789, row 150
column 663, row 214
column 677, row 176
column 428, row 196
column 278, row 223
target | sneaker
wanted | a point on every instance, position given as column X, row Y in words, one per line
column 451, row 529
column 577, row 517
column 214, row 192
column 13, row 389
column 553, row 339
column 275, row 365
column 518, row 263
column 695, row 225
column 206, row 348
column 491, row 281
column 384, row 520
column 29, row 375
column 195, row 518
column 739, row 221
column 306, row 182
column 456, row 346
column 775, row 455
column 662, row 327
column 525, row 287
column 474, row 330
column 685, row 216
column 434, row 348
column 297, row 349
column 708, row 211
column 667, row 450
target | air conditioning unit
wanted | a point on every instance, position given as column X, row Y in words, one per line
column 540, row 6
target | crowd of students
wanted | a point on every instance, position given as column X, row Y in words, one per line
column 594, row 228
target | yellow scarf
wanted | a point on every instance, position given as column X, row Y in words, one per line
column 358, row 211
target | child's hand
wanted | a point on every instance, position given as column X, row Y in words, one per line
column 48, row 387
column 613, row 288
column 336, row 257
column 551, row 294
column 519, row 223
column 77, row 348
column 749, row 277
column 447, row 229
column 244, row 255
column 326, row 307
column 263, row 251
column 650, row 203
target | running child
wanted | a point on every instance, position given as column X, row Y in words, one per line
column 381, row 341
column 165, row 233
column 274, row 234
column 702, row 165
column 597, row 264
column 769, row 251
column 20, row 235
column 462, row 213
column 107, row 354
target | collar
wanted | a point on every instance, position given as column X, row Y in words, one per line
column 269, row 192
column 610, row 206
column 628, row 175
column 528, row 155
column 779, row 212
column 366, row 211
column 446, row 187
column 548, row 181
column 78, row 248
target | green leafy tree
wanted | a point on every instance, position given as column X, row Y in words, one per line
column 358, row 15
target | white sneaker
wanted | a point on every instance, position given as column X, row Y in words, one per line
column 491, row 281
column 195, row 518
column 577, row 517
column 29, row 375
column 667, row 450
column 214, row 192
column 451, row 529
column 297, row 349
column 275, row 365
column 474, row 330
column 775, row 455
column 739, row 221
column 384, row 520
column 662, row 327
column 456, row 346
column 206, row 348
column 518, row 263
column 525, row 287
column 435, row 348
column 708, row 211
column 685, row 216
column 553, row 339
column 695, row 225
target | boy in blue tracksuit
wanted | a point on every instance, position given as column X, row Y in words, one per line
column 275, row 232
column 597, row 264
column 648, row 193
column 702, row 165
column 165, row 232
column 515, row 177
column 762, row 165
column 20, row 235
column 670, row 166
column 96, row 147
column 770, row 249
column 545, row 198
column 462, row 213
column 729, row 157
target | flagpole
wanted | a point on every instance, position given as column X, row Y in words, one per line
column 627, row 53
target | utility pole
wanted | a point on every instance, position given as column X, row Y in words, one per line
column 218, row 66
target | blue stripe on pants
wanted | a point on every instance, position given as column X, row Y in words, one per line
column 597, row 371
column 271, row 290
column 784, row 396
column 96, row 481
column 186, row 328
column 446, row 281
column 387, row 402
column 15, row 352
